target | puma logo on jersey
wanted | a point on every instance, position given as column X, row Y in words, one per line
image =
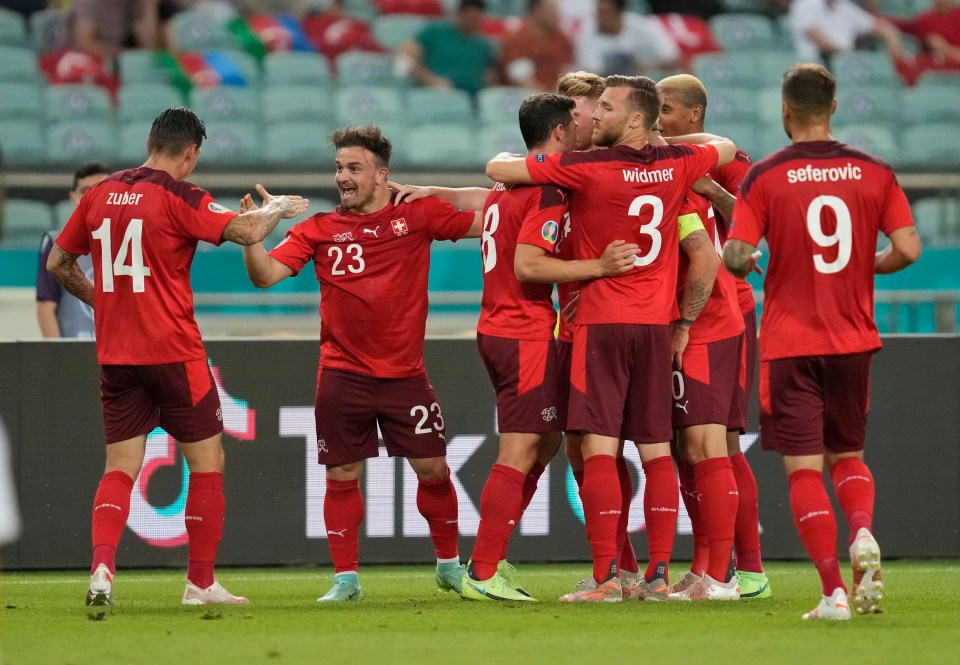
column 682, row 406
column 373, row 232
column 123, row 199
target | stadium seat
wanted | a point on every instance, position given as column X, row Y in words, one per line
column 298, row 103
column 869, row 104
column 296, row 68
column 20, row 100
column 443, row 145
column 225, row 102
column 356, row 68
column 18, row 65
column 718, row 70
column 362, row 9
column 22, row 141
column 769, row 106
column 397, row 133
column 499, row 104
column 931, row 145
column 201, row 30
column 74, row 141
column 938, row 220
column 133, row 142
column 772, row 67
column 745, row 31
column 393, row 30
column 24, row 222
column 298, row 144
column 732, row 104
column 877, row 140
column 932, row 103
column 744, row 134
column 950, row 80
column 863, row 68
column 76, row 101
column 358, row 105
column 43, row 28
column 248, row 65
column 139, row 66
column 13, row 29
column 145, row 101
column 231, row 142
column 771, row 139
column 62, row 211
column 505, row 137
column 429, row 105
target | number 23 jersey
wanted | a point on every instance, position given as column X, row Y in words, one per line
column 373, row 272
column 820, row 205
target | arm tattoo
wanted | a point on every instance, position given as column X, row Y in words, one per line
column 699, row 295
column 723, row 202
column 71, row 275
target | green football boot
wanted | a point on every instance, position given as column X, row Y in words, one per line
column 494, row 589
column 346, row 587
column 753, row 585
column 449, row 576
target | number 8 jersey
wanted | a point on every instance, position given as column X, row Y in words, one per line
column 141, row 227
column 820, row 205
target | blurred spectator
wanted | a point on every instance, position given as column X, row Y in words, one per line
column 107, row 27
column 27, row 7
column 292, row 7
column 701, row 8
column 451, row 54
column 938, row 29
column 821, row 28
column 621, row 42
column 333, row 32
column 537, row 53
column 575, row 15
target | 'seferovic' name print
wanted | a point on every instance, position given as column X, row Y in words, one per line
column 831, row 174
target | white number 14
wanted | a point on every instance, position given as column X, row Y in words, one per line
column 131, row 244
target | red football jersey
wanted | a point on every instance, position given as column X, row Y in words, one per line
column 141, row 227
column 721, row 317
column 373, row 273
column 820, row 205
column 621, row 193
column 729, row 176
column 512, row 215
column 566, row 290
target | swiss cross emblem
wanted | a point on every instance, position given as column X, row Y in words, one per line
column 400, row 226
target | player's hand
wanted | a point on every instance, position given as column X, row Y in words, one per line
column 247, row 204
column 291, row 205
column 704, row 185
column 678, row 343
column 618, row 258
column 408, row 193
column 569, row 312
column 753, row 263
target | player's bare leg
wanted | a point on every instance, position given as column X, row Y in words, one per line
column 342, row 514
column 111, row 507
column 437, row 502
column 746, row 534
column 204, row 521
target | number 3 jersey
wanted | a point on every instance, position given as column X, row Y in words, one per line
column 820, row 205
column 141, row 227
column 373, row 273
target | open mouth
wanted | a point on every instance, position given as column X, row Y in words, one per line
column 347, row 191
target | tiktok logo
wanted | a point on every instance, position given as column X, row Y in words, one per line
column 164, row 526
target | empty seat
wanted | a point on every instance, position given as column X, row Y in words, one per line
column 298, row 103
column 443, row 145
column 44, row 25
column 863, row 68
column 869, row 104
column 359, row 105
column 298, row 143
column 199, row 30
column 22, row 141
column 225, row 103
column 732, row 103
column 231, row 142
column 429, row 105
column 13, row 29
column 24, row 222
column 356, row 68
column 139, row 66
column 932, row 103
column 505, row 137
column 745, row 31
column 394, row 29
column 499, row 104
column 20, row 100
column 933, row 145
column 73, row 141
column 132, row 150
column 877, row 140
column 145, row 101
column 77, row 101
column 296, row 68
column 717, row 70
column 18, row 64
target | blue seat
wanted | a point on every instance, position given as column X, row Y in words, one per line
column 732, row 104
column 359, row 68
column 13, row 29
column 505, row 137
column 392, row 30
column 24, row 223
column 932, row 103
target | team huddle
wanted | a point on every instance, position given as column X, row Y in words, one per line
column 646, row 224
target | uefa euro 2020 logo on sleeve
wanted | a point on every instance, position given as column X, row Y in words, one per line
column 164, row 526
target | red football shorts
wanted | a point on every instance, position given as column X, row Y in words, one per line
column 704, row 390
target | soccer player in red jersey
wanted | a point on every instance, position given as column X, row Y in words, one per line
column 621, row 374
column 820, row 205
column 142, row 226
column 372, row 258
column 683, row 112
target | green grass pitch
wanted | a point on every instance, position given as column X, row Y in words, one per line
column 405, row 619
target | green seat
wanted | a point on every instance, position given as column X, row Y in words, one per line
column 734, row 104
column 25, row 221
column 428, row 105
column 745, row 31
column 932, row 103
column 74, row 141
column 225, row 102
column 22, row 141
column 933, row 145
column 363, row 104
column 949, row 80
column 505, row 137
column 77, row 101
column 769, row 106
column 298, row 143
column 133, row 142
column 200, row 30
column 773, row 65
column 44, row 25
column 145, row 101
column 18, row 65
column 359, row 68
column 13, row 29
column 745, row 134
column 296, row 68
column 62, row 211
column 298, row 103
column 230, row 142
column 444, row 146
column 20, row 100
column 877, row 140
column 771, row 140
column 362, row 9
column 500, row 104
column 394, row 29
column 140, row 66
column 718, row 70
column 863, row 68
column 869, row 104
column 938, row 220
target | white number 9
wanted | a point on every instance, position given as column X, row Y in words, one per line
column 842, row 237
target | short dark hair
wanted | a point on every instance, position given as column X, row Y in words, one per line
column 368, row 137
column 809, row 90
column 88, row 169
column 540, row 113
column 175, row 130
column 643, row 96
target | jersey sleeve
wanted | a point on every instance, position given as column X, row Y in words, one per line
column 541, row 225
column 896, row 210
column 689, row 219
column 729, row 176
column 296, row 248
column 74, row 237
column 207, row 221
column 749, row 217
column 550, row 169
column 446, row 222
column 704, row 158
column 48, row 288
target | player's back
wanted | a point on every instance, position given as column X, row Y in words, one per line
column 511, row 308
column 141, row 227
column 821, row 206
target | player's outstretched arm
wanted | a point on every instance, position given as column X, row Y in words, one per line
column 63, row 265
column 533, row 264
column 464, row 198
column 255, row 224
column 904, row 249
column 509, row 169
column 726, row 147
column 740, row 258
column 263, row 270
column 721, row 200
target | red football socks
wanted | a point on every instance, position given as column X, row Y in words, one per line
column 746, row 532
column 661, row 501
column 437, row 502
column 500, row 509
column 691, row 500
column 628, row 558
column 204, row 520
column 342, row 514
column 602, row 506
column 853, row 485
column 111, row 507
column 718, row 507
column 530, row 485
column 816, row 525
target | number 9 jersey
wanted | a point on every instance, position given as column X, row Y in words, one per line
column 141, row 227
column 820, row 205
